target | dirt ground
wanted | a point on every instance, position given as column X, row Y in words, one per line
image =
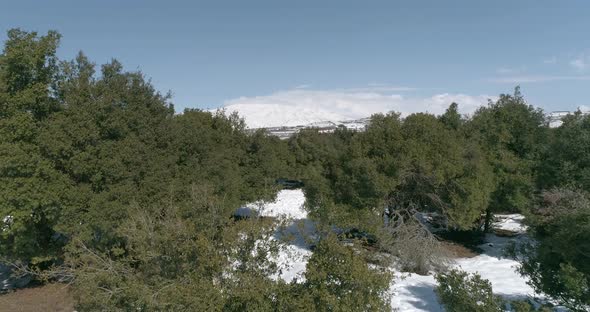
column 50, row 298
column 458, row 251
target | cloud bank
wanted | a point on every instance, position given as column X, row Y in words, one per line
column 304, row 106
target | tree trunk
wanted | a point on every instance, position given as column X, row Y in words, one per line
column 488, row 221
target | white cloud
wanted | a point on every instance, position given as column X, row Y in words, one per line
column 581, row 63
column 303, row 106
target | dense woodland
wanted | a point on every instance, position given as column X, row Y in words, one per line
column 104, row 186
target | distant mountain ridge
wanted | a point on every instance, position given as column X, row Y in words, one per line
column 285, row 120
column 276, row 115
column 285, row 132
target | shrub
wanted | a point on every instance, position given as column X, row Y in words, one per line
column 414, row 247
column 558, row 263
column 460, row 291
column 338, row 279
column 526, row 306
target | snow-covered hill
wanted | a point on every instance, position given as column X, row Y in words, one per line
column 277, row 115
column 302, row 107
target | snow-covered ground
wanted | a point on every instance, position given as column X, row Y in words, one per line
column 510, row 222
column 412, row 292
column 287, row 205
column 409, row 292
column 294, row 228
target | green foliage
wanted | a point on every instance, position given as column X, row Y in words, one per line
column 106, row 186
column 173, row 262
column 459, row 291
column 513, row 133
column 168, row 264
column 418, row 162
column 31, row 202
column 526, row 306
column 446, row 172
column 33, row 193
column 338, row 279
column 565, row 161
column 28, row 66
column 451, row 118
column 558, row 264
column 521, row 306
column 80, row 149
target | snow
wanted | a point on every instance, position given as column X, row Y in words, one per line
column 322, row 124
column 409, row 292
column 294, row 229
column 413, row 292
column 279, row 115
column 6, row 223
column 291, row 262
column 510, row 222
column 287, row 205
column 355, row 125
column 501, row 272
column 297, row 107
column 416, row 292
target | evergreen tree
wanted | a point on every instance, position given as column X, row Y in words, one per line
column 33, row 193
column 513, row 134
column 566, row 161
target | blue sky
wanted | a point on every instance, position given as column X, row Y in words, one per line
column 218, row 52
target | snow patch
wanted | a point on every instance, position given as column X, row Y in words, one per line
column 413, row 292
column 510, row 222
column 501, row 272
column 287, row 205
column 409, row 292
column 294, row 230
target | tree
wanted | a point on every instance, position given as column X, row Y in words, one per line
column 565, row 163
column 28, row 68
column 34, row 194
column 512, row 134
column 451, row 118
column 338, row 280
column 459, row 291
column 558, row 263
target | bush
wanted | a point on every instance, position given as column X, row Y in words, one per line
column 460, row 291
column 414, row 247
column 526, row 306
column 521, row 306
column 338, row 279
column 558, row 263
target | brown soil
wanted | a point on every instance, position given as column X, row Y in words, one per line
column 458, row 251
column 50, row 298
